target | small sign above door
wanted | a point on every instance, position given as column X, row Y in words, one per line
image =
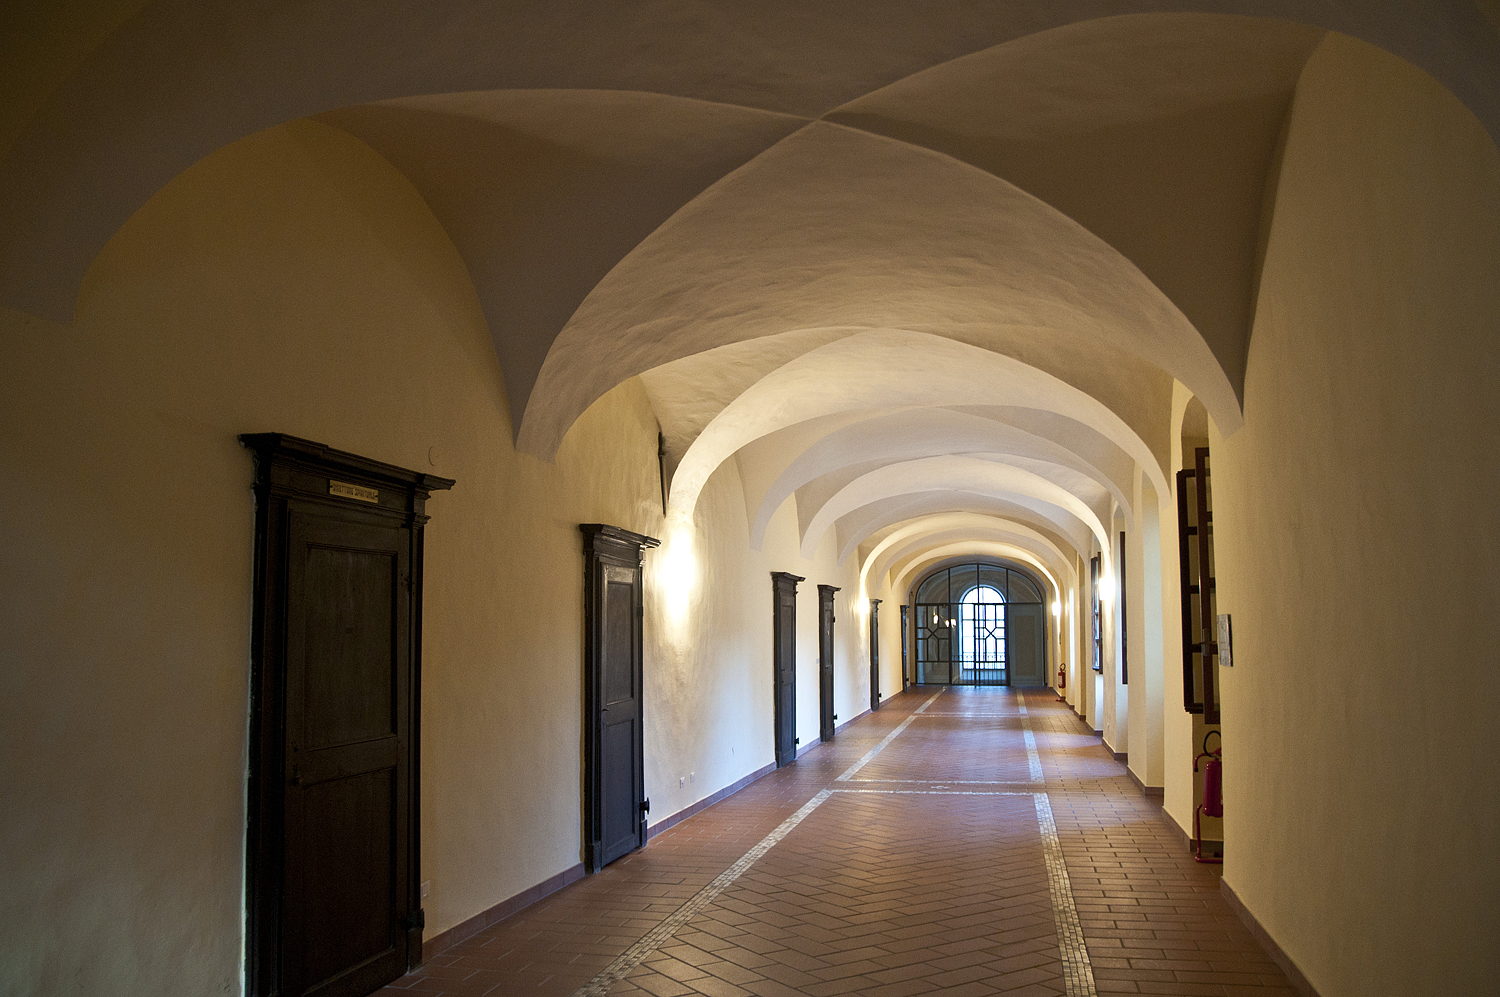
column 357, row 492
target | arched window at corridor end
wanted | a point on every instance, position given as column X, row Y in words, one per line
column 981, row 623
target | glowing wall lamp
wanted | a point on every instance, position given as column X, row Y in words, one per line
column 1106, row 588
column 679, row 570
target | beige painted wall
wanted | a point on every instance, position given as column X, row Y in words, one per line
column 294, row 282
column 1178, row 781
column 1116, row 711
column 708, row 670
column 1357, row 547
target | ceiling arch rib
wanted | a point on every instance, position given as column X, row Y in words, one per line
column 942, row 470
column 687, row 394
column 543, row 191
column 836, row 228
column 887, row 370
column 1154, row 131
column 1066, row 532
column 99, row 132
column 965, row 545
column 950, row 474
column 890, row 437
column 883, row 539
column 876, row 518
column 939, row 530
column 920, row 564
column 1095, row 448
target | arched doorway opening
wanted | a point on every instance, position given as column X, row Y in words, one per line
column 980, row 623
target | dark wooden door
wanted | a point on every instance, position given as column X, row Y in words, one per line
column 334, row 907
column 614, row 753
column 784, row 664
column 348, row 723
column 874, row 654
column 905, row 629
column 826, row 716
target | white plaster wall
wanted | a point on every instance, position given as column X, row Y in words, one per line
column 1177, row 723
column 294, row 282
column 851, row 668
column 890, row 636
column 1357, row 545
column 1116, row 691
column 708, row 705
column 1147, row 665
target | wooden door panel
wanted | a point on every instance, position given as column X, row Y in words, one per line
column 619, row 636
column 826, row 717
column 349, row 633
column 347, row 664
column 623, row 751
column 346, row 876
column 621, row 798
column 784, row 665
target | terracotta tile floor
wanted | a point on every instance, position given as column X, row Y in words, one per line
column 923, row 872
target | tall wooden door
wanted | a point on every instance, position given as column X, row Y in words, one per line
column 615, row 803
column 905, row 640
column 784, row 664
column 826, row 716
column 874, row 654
column 333, row 896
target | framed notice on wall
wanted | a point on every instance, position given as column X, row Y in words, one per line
column 1226, row 654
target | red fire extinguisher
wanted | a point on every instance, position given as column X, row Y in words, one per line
column 1062, row 681
column 1213, row 794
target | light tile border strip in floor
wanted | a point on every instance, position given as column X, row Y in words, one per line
column 627, row 961
column 1078, row 971
column 1032, row 758
column 1078, row 974
column 869, row 756
column 654, row 939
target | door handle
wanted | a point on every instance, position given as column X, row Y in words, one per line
column 297, row 777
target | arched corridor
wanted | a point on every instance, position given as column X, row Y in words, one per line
column 963, row 840
column 446, row 445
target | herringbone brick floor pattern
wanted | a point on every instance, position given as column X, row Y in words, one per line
column 923, row 873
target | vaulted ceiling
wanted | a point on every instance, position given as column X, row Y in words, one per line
column 930, row 270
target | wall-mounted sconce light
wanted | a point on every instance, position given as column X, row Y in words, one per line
column 679, row 570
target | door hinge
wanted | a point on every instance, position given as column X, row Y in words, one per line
column 646, row 806
column 416, row 920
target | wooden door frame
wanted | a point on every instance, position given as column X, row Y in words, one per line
column 603, row 546
column 289, row 469
column 825, row 652
column 783, row 582
column 874, row 654
column 905, row 630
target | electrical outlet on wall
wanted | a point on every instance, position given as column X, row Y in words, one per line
column 692, row 777
column 681, row 782
column 426, row 888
